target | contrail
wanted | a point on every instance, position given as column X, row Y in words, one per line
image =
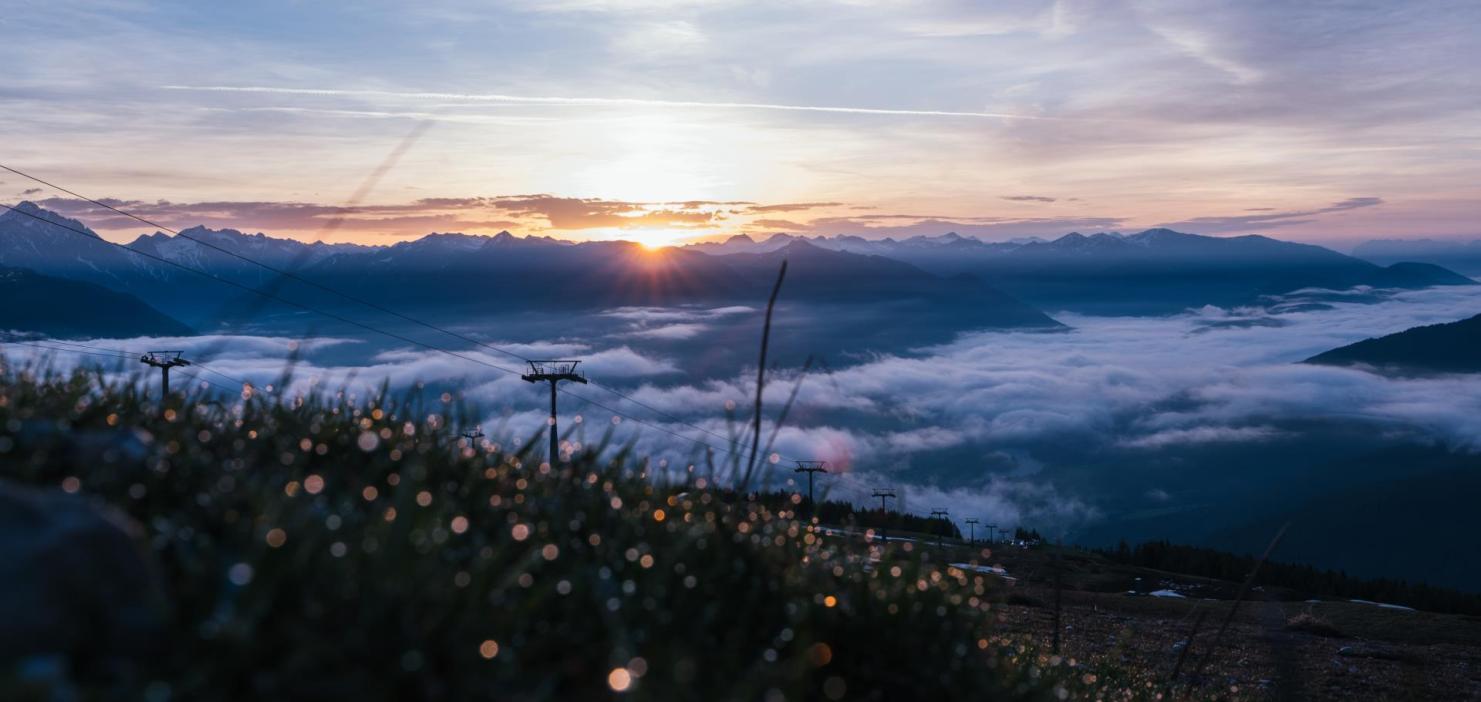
column 600, row 101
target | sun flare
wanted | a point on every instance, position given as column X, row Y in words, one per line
column 653, row 238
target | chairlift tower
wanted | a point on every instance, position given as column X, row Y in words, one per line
column 164, row 361
column 939, row 514
column 553, row 372
column 473, row 435
column 972, row 522
column 884, row 512
column 812, row 468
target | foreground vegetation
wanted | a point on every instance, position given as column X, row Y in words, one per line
column 320, row 548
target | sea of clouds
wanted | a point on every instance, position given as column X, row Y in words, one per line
column 1205, row 377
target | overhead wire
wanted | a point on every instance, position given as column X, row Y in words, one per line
column 137, row 354
column 111, row 354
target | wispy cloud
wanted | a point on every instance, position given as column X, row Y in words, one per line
column 602, row 101
column 790, row 207
column 1029, row 198
column 415, row 218
column 1202, row 435
column 1270, row 218
column 986, row 228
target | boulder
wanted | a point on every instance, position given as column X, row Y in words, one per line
column 74, row 581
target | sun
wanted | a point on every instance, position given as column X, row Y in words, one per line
column 652, row 238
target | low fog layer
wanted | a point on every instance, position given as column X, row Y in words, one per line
column 1062, row 431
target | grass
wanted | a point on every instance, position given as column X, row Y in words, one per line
column 321, row 548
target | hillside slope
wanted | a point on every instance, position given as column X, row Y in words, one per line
column 73, row 309
column 1453, row 347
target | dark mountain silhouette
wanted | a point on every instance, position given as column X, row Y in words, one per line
column 458, row 274
column 822, row 275
column 1153, row 272
column 513, row 272
column 1454, row 347
column 1157, row 271
column 64, row 308
column 1162, row 271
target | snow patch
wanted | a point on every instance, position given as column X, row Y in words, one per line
column 1384, row 605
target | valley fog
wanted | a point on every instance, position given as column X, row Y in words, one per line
column 1135, row 427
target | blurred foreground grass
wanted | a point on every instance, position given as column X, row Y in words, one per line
column 319, row 548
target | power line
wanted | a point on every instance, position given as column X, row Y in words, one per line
column 208, row 369
column 111, row 354
column 120, row 352
column 253, row 306
column 208, row 381
column 66, row 350
column 136, row 354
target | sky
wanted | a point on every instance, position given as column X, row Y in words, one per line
column 661, row 122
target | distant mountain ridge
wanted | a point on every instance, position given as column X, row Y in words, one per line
column 1457, row 254
column 450, row 274
column 260, row 247
column 553, row 275
column 1157, row 271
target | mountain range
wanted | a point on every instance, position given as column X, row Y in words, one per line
column 444, row 275
column 1157, row 271
column 1460, row 255
column 940, row 282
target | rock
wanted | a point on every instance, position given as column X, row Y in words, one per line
column 73, row 580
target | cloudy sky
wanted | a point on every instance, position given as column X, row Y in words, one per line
column 662, row 121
